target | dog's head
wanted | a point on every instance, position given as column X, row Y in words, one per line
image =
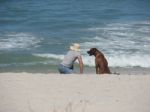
column 92, row 51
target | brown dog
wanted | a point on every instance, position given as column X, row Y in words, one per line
column 101, row 63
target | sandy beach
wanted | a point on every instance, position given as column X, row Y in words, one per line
column 26, row 92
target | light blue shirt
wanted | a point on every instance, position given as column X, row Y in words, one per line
column 70, row 58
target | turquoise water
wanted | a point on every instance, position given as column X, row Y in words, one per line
column 35, row 35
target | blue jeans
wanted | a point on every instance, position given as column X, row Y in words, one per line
column 64, row 70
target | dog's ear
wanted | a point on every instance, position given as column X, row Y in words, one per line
column 94, row 49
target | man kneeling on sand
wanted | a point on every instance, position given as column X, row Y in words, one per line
column 66, row 66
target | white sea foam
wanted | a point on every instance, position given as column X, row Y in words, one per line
column 121, row 61
column 113, row 61
column 129, row 61
column 124, row 44
column 18, row 41
column 54, row 56
column 124, row 36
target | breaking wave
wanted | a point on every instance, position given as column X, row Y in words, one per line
column 18, row 41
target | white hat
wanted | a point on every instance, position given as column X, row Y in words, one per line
column 75, row 47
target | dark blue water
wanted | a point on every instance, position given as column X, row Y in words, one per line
column 37, row 34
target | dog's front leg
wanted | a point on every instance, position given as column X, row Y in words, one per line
column 97, row 66
column 97, row 69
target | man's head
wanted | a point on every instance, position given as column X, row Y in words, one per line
column 75, row 47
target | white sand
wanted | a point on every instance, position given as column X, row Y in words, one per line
column 24, row 92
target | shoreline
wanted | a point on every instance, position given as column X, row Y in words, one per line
column 36, row 92
column 87, row 70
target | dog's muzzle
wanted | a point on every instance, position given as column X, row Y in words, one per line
column 89, row 53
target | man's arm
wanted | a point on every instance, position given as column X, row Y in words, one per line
column 80, row 64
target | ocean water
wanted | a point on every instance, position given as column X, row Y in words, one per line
column 36, row 34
